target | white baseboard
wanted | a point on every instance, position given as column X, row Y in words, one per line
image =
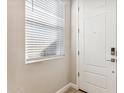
column 66, row 87
column 74, row 86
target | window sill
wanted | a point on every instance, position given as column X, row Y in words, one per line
column 45, row 59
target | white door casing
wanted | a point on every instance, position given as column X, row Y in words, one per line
column 97, row 35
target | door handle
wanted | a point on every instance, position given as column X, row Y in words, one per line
column 112, row 60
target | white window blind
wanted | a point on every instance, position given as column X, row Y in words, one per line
column 44, row 27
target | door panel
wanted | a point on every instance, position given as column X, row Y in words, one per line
column 93, row 4
column 96, row 70
column 97, row 25
column 94, row 89
column 95, row 40
column 96, row 80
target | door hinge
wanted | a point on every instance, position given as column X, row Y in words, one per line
column 78, row 30
column 78, row 53
column 78, row 9
column 78, row 74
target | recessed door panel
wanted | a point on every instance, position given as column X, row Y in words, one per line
column 96, row 80
column 94, row 3
column 91, row 5
column 95, row 40
column 95, row 70
column 94, row 89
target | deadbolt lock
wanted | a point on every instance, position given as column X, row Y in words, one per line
column 112, row 51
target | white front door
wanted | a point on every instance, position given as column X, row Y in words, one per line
column 97, row 46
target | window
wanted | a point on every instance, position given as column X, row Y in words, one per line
column 44, row 29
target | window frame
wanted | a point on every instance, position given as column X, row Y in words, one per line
column 54, row 57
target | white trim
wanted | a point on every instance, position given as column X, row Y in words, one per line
column 74, row 86
column 66, row 87
column 44, row 59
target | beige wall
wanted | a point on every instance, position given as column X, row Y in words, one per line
column 74, row 29
column 40, row 77
column 11, row 46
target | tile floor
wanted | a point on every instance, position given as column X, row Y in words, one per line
column 71, row 90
